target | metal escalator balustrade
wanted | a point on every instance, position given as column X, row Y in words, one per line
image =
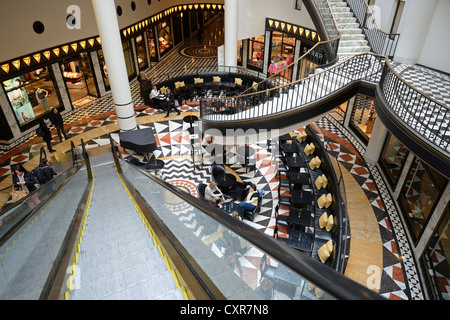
column 230, row 256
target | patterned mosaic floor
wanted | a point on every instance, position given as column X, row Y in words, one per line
column 399, row 280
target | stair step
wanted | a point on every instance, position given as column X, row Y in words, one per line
column 352, row 36
column 353, row 49
column 352, row 43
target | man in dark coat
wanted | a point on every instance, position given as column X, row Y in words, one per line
column 47, row 137
column 57, row 120
column 170, row 102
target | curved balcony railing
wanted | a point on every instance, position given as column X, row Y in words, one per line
column 380, row 42
column 271, row 101
column 426, row 116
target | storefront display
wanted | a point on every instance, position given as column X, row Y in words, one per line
column 79, row 78
column 31, row 95
column 164, row 37
column 363, row 116
column 141, row 52
column 239, row 52
column 151, row 44
column 129, row 60
column 438, row 256
column 255, row 58
column 420, row 193
column 393, row 159
column 101, row 60
column 281, row 53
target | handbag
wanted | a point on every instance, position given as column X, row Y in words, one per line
column 16, row 195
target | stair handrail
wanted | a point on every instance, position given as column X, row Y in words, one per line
column 362, row 11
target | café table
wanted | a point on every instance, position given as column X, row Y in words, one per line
column 190, row 119
column 295, row 163
column 299, row 217
column 290, row 148
column 298, row 177
column 244, row 154
column 225, row 181
column 299, row 196
column 287, row 280
column 300, row 240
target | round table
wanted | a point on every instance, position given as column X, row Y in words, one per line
column 190, row 119
column 154, row 165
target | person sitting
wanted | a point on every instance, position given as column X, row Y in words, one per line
column 154, row 95
column 170, row 102
column 250, row 202
column 212, row 193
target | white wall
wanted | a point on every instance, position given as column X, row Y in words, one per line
column 252, row 16
column 17, row 17
column 436, row 50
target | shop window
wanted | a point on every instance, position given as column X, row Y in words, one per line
column 129, row 60
column 310, row 60
column 419, row 195
column 239, row 52
column 141, row 53
column 79, row 78
column 393, row 159
column 32, row 94
column 101, row 60
column 363, row 116
column 256, row 53
column 151, row 44
column 282, row 53
column 164, row 37
column 438, row 257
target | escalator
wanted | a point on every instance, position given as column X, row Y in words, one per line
column 117, row 257
column 112, row 231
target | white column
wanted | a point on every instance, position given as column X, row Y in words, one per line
column 413, row 29
column 376, row 141
column 108, row 28
column 231, row 22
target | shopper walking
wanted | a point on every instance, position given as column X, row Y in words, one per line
column 57, row 120
column 46, row 134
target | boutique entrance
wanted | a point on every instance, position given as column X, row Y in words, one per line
column 79, row 78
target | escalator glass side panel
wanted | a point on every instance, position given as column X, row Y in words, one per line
column 28, row 255
column 238, row 268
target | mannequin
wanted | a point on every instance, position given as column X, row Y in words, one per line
column 41, row 95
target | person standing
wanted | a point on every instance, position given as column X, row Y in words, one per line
column 170, row 102
column 47, row 170
column 57, row 120
column 47, row 136
column 199, row 33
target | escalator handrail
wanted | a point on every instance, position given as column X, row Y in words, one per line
column 43, row 202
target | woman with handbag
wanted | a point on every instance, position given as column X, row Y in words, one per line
column 25, row 180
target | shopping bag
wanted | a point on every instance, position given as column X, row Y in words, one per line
column 18, row 194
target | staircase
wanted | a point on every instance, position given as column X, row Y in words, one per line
column 352, row 40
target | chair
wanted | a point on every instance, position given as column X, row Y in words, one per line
column 284, row 183
column 201, row 191
column 267, row 271
column 238, row 191
column 283, row 200
column 217, row 169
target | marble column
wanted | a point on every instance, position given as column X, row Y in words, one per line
column 231, row 33
column 108, row 27
column 376, row 142
column 414, row 26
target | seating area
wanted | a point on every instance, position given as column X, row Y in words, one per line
column 314, row 224
column 208, row 85
column 234, row 190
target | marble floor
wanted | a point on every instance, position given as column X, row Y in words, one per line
column 93, row 122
